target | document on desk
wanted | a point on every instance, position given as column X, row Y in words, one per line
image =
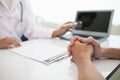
column 46, row 51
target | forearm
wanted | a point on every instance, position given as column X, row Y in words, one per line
column 110, row 53
column 87, row 71
column 62, row 30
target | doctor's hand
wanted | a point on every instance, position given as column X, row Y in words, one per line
column 81, row 52
column 6, row 43
column 68, row 26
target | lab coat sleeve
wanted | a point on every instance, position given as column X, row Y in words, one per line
column 32, row 31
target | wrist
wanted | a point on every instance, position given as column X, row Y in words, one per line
column 103, row 52
column 55, row 34
column 83, row 62
column 98, row 54
column 58, row 32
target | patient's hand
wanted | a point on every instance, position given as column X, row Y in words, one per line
column 81, row 51
column 97, row 50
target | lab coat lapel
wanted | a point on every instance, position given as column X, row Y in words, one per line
column 13, row 6
column 4, row 4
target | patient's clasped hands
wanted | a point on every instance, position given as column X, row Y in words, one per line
column 83, row 48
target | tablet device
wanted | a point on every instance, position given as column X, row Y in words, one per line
column 115, row 74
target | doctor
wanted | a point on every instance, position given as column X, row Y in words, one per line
column 16, row 20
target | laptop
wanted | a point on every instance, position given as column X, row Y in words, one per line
column 115, row 74
column 95, row 23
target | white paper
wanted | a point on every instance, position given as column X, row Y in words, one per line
column 43, row 49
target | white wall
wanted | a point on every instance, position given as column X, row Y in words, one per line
column 61, row 11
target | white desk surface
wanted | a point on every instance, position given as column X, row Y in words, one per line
column 15, row 67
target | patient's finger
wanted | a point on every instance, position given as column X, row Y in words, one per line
column 69, row 50
column 73, row 40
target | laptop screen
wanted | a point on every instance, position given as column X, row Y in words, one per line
column 98, row 21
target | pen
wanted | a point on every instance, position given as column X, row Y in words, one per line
column 56, row 58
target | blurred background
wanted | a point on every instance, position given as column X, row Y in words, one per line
column 55, row 12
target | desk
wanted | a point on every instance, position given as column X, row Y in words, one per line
column 15, row 67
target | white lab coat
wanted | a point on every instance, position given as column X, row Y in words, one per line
column 11, row 25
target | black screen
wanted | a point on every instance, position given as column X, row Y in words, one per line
column 93, row 21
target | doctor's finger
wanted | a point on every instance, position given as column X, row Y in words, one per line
column 12, row 43
column 15, row 43
column 69, row 22
column 7, row 40
column 73, row 25
column 6, row 46
column 70, row 25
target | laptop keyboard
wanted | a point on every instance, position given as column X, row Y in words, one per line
column 70, row 36
column 85, row 36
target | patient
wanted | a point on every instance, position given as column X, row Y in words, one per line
column 82, row 49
